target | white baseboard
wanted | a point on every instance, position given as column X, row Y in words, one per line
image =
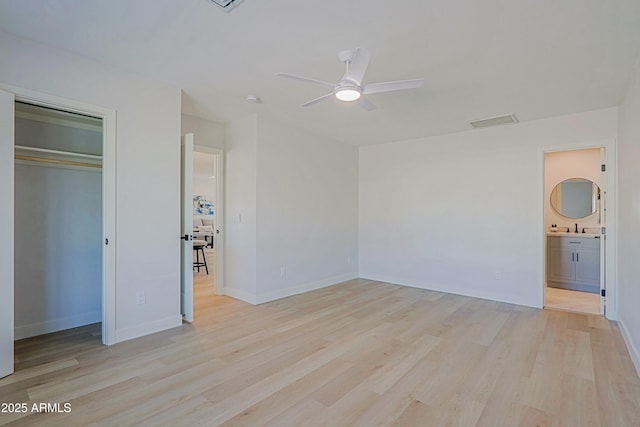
column 241, row 295
column 55, row 325
column 633, row 350
column 456, row 290
column 148, row 328
column 311, row 286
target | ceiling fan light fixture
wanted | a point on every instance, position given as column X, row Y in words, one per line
column 351, row 88
column 348, row 94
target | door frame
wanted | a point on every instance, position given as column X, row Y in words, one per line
column 186, row 227
column 7, row 225
column 610, row 240
column 108, row 117
column 219, row 237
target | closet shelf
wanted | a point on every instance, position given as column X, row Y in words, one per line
column 69, row 158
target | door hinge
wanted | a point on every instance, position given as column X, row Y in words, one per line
column 603, row 230
column 217, row 231
column 603, row 168
column 603, row 292
column 106, row 241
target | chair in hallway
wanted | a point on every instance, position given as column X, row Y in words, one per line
column 198, row 247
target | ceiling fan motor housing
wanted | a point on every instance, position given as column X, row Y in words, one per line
column 347, row 91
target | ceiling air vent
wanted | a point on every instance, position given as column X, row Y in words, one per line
column 226, row 5
column 507, row 119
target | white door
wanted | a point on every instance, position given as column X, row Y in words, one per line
column 7, row 108
column 603, row 224
column 186, row 219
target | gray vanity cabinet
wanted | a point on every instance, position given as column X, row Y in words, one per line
column 573, row 262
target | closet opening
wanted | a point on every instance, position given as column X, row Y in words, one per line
column 58, row 223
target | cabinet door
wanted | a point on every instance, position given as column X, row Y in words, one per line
column 561, row 264
column 588, row 266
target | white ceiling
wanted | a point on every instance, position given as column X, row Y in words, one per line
column 479, row 58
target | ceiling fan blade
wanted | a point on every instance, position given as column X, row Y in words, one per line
column 319, row 99
column 391, row 86
column 366, row 104
column 306, row 79
column 358, row 66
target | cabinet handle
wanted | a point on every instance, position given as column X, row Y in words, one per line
column 577, row 256
column 573, row 257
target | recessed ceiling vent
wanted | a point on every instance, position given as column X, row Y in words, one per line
column 507, row 119
column 226, row 5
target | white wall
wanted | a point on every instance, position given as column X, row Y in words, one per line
column 148, row 135
column 58, row 249
column 240, row 208
column 296, row 194
column 206, row 132
column 629, row 218
column 205, row 175
column 307, row 224
column 462, row 212
column 563, row 165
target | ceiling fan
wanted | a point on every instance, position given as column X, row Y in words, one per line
column 350, row 87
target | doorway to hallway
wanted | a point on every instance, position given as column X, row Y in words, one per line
column 202, row 219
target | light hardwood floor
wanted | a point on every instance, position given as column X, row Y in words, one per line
column 360, row 353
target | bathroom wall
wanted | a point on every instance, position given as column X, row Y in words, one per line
column 563, row 165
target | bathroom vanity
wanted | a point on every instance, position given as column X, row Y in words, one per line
column 573, row 261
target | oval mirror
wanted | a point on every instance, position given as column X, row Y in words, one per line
column 575, row 198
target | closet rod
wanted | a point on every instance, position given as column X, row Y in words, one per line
column 58, row 162
column 59, row 152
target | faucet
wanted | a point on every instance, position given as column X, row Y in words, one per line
column 576, row 230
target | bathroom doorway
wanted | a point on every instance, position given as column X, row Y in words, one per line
column 575, row 230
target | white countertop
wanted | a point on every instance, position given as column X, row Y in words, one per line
column 577, row 235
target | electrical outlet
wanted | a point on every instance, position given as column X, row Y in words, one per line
column 498, row 275
column 140, row 298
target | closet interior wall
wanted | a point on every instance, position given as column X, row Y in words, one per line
column 58, row 220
